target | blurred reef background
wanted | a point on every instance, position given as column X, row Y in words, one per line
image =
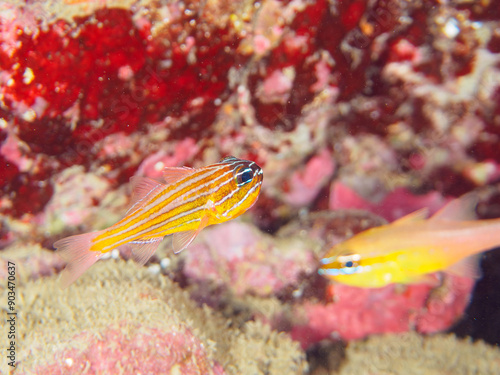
column 359, row 112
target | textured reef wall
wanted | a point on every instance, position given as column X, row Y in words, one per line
column 383, row 107
column 124, row 319
column 390, row 96
column 412, row 354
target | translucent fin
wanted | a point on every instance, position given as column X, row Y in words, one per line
column 182, row 240
column 142, row 250
column 143, row 187
column 173, row 174
column 75, row 251
column 413, row 217
column 468, row 267
column 461, row 209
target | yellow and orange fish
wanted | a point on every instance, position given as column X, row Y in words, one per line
column 190, row 200
column 410, row 249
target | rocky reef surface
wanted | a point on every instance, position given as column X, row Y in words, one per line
column 359, row 113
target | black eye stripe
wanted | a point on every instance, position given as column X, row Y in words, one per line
column 244, row 176
column 246, row 170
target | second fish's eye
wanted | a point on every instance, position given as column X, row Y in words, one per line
column 349, row 260
column 243, row 176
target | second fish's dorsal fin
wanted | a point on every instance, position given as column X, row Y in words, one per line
column 418, row 215
column 142, row 188
column 460, row 209
column 173, row 174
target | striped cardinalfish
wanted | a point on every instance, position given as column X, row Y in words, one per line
column 408, row 250
column 188, row 201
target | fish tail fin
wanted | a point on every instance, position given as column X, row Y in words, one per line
column 75, row 251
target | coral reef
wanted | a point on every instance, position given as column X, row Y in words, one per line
column 32, row 262
column 394, row 205
column 245, row 261
column 123, row 318
column 365, row 108
column 381, row 96
column 231, row 261
column 410, row 354
column 355, row 313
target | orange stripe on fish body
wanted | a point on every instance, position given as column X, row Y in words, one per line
column 190, row 200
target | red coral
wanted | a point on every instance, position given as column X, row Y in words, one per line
column 70, row 86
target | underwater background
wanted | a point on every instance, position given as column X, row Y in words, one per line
column 358, row 112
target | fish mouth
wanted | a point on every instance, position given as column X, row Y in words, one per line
column 329, row 272
column 258, row 179
column 332, row 272
column 328, row 260
column 257, row 171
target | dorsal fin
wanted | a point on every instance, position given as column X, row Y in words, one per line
column 418, row 215
column 142, row 187
column 460, row 209
column 173, row 174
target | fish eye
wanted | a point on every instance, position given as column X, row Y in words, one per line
column 243, row 176
column 349, row 261
column 349, row 264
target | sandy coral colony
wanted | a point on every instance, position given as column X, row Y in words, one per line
column 359, row 112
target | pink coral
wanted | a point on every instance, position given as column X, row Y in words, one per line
column 32, row 262
column 144, row 350
column 154, row 164
column 306, row 183
column 444, row 307
column 276, row 87
column 396, row 204
column 245, row 261
column 11, row 149
column 355, row 313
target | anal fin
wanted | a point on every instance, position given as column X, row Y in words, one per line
column 142, row 250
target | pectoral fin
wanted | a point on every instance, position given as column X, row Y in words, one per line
column 468, row 267
column 182, row 240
